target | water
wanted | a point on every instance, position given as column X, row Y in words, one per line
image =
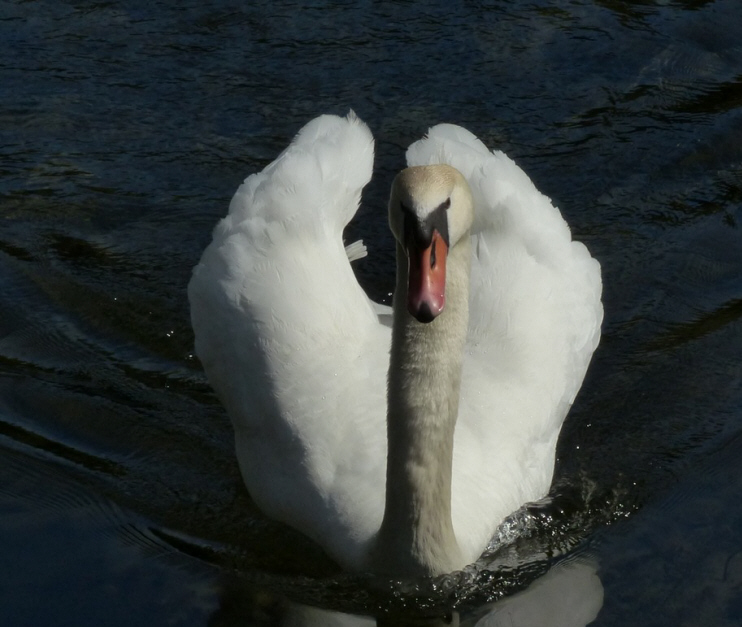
column 124, row 129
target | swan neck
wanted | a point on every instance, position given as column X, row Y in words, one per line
column 416, row 536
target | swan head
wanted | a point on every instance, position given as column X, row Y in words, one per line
column 430, row 211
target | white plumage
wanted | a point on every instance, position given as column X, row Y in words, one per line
column 299, row 357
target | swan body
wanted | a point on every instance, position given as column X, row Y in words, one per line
column 300, row 357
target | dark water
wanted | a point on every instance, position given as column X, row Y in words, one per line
column 124, row 129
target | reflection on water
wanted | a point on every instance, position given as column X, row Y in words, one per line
column 125, row 129
column 569, row 595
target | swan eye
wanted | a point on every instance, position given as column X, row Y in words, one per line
column 422, row 230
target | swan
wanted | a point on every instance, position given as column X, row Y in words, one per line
column 398, row 439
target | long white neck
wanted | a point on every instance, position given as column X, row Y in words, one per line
column 416, row 536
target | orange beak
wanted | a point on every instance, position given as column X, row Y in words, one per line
column 426, row 289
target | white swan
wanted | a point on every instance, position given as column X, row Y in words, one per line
column 299, row 355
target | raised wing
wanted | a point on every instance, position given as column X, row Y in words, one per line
column 281, row 323
column 535, row 309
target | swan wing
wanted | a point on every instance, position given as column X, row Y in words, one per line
column 535, row 293
column 534, row 321
column 290, row 342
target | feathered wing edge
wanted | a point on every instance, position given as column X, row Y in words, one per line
column 330, row 157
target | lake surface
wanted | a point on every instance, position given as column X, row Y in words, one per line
column 126, row 126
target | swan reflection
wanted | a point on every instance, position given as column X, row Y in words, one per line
column 569, row 595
